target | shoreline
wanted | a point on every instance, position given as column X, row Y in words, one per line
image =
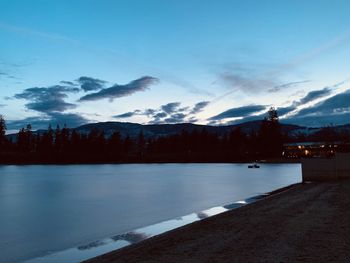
column 281, row 227
column 272, row 161
column 87, row 251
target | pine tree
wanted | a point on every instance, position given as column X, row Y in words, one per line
column 270, row 135
column 2, row 131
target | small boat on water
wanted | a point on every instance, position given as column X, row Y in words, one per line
column 254, row 165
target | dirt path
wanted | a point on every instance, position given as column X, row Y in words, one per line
column 307, row 223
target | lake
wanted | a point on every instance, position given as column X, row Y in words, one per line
column 50, row 208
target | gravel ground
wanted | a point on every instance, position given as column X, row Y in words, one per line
column 306, row 223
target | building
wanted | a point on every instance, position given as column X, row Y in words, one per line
column 309, row 149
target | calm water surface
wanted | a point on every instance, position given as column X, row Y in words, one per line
column 48, row 208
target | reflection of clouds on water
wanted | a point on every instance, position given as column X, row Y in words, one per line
column 233, row 206
column 92, row 245
column 118, row 241
column 132, row 237
column 255, row 198
column 202, row 215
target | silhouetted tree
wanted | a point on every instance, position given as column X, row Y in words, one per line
column 127, row 145
column 25, row 139
column 45, row 142
column 58, row 139
column 115, row 145
column 270, row 135
column 2, row 132
column 141, row 143
column 65, row 139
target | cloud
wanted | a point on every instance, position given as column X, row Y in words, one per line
column 239, row 112
column 316, row 94
column 160, row 115
column 36, row 33
column 118, row 91
column 199, row 107
column 248, row 81
column 6, row 75
column 245, row 82
column 150, row 112
column 318, row 51
column 89, row 84
column 284, row 110
column 333, row 110
column 170, row 107
column 287, row 85
column 67, row 83
column 46, row 100
column 248, row 119
column 2, row 105
column 310, row 97
column 336, row 104
column 72, row 120
column 125, row 115
column 319, row 120
column 176, row 118
column 168, row 113
column 41, row 122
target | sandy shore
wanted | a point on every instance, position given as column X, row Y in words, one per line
column 307, row 223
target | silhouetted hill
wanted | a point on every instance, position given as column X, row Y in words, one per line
column 156, row 130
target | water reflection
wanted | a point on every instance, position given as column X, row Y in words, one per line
column 131, row 237
column 92, row 245
column 99, row 247
column 45, row 209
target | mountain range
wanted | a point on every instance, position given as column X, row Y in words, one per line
column 157, row 130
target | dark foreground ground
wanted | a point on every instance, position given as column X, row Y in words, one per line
column 307, row 223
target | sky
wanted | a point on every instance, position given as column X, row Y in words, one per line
column 207, row 62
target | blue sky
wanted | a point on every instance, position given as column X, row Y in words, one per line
column 154, row 61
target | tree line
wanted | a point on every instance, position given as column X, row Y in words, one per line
column 63, row 145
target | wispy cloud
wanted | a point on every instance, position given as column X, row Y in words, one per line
column 239, row 112
column 170, row 107
column 47, row 99
column 71, row 120
column 313, row 53
column 199, row 107
column 127, row 114
column 336, row 104
column 287, row 85
column 168, row 113
column 315, row 94
column 7, row 75
column 247, row 83
column 36, row 33
column 246, row 80
column 118, row 91
column 90, row 84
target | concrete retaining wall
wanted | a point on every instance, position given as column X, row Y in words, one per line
column 318, row 169
column 343, row 165
column 323, row 169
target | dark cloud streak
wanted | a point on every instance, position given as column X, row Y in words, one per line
column 199, row 107
column 90, row 84
column 118, row 91
column 287, row 85
column 170, row 107
column 47, row 99
column 238, row 112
